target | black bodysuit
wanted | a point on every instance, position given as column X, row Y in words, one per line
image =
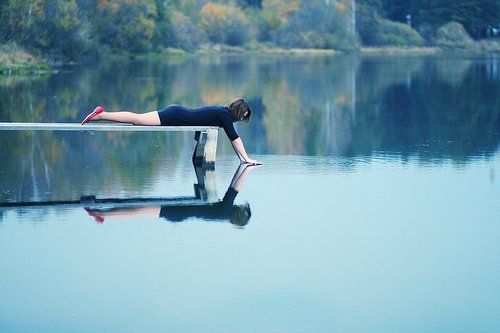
column 213, row 115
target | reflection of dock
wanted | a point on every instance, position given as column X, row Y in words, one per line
column 205, row 192
column 205, row 136
column 204, row 204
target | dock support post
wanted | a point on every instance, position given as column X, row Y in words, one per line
column 206, row 147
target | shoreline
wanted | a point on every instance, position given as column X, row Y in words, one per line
column 15, row 61
column 397, row 50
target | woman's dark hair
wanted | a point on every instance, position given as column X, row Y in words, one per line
column 238, row 107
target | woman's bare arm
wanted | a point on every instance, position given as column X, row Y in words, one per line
column 240, row 151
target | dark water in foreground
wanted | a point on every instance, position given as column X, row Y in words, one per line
column 376, row 209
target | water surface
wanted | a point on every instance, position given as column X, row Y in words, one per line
column 376, row 209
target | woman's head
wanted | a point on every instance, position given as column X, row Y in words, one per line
column 240, row 110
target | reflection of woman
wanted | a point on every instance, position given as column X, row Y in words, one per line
column 177, row 115
column 224, row 210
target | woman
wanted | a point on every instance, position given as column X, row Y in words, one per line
column 177, row 115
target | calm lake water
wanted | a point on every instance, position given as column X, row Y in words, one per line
column 376, row 210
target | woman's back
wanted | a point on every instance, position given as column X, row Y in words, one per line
column 211, row 115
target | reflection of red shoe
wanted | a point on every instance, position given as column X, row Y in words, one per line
column 97, row 110
column 98, row 219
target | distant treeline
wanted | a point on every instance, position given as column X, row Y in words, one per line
column 480, row 18
column 75, row 28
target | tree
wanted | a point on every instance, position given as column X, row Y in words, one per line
column 21, row 20
column 250, row 3
column 49, row 25
column 470, row 14
column 224, row 24
column 317, row 24
column 475, row 15
column 367, row 15
column 162, row 35
column 61, row 27
column 125, row 25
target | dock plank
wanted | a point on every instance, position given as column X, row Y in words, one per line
column 206, row 136
column 105, row 127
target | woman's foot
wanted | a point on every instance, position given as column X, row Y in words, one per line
column 97, row 111
column 98, row 218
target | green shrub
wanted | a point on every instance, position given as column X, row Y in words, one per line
column 317, row 25
column 452, row 35
column 489, row 45
column 267, row 22
column 125, row 25
column 273, row 16
column 397, row 34
column 185, row 34
column 52, row 26
column 224, row 24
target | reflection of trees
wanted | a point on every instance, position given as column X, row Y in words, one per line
column 308, row 104
column 374, row 77
column 452, row 70
column 285, row 117
column 445, row 108
column 33, row 162
column 435, row 113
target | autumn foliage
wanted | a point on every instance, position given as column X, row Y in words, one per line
column 73, row 28
column 224, row 24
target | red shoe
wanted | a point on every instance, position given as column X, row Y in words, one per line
column 98, row 218
column 97, row 110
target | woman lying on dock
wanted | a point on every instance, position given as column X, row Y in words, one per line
column 177, row 115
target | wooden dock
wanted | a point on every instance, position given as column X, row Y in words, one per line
column 206, row 136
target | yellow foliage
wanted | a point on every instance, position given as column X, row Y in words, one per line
column 213, row 11
column 104, row 4
column 341, row 6
column 282, row 8
column 276, row 12
column 101, row 4
column 38, row 8
column 349, row 4
column 224, row 23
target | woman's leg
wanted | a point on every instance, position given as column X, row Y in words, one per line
column 145, row 119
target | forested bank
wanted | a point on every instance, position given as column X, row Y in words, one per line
column 74, row 29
